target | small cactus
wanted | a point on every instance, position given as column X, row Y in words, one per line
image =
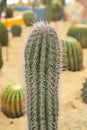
column 12, row 101
column 43, row 55
column 80, row 33
column 3, row 35
column 73, row 52
column 56, row 10
column 84, row 92
column 9, row 12
column 16, row 30
column 28, row 17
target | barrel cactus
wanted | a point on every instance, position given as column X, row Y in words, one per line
column 28, row 17
column 1, row 60
column 3, row 35
column 12, row 101
column 73, row 51
column 16, row 30
column 9, row 12
column 84, row 91
column 43, row 63
column 56, row 10
column 80, row 33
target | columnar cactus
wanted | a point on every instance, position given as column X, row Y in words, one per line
column 84, row 92
column 80, row 33
column 43, row 53
column 3, row 35
column 12, row 101
column 73, row 53
column 1, row 60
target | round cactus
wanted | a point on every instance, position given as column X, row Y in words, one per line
column 84, row 92
column 12, row 101
column 73, row 51
column 3, row 35
column 80, row 33
column 28, row 17
column 43, row 55
column 1, row 60
column 56, row 10
column 9, row 12
column 16, row 30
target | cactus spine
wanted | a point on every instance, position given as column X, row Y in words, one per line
column 43, row 54
column 73, row 52
column 12, row 101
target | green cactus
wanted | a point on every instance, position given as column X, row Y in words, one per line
column 16, row 30
column 9, row 12
column 2, row 6
column 63, row 2
column 28, row 17
column 80, row 33
column 73, row 51
column 84, row 92
column 56, row 10
column 1, row 60
column 43, row 58
column 3, row 35
column 12, row 101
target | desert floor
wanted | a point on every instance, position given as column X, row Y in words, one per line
column 73, row 112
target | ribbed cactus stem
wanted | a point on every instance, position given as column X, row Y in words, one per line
column 12, row 101
column 43, row 53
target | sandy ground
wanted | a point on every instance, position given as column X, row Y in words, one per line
column 73, row 112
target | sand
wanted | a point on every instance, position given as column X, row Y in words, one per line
column 73, row 112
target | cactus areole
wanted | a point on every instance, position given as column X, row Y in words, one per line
column 43, row 53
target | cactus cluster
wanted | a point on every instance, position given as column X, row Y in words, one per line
column 28, row 17
column 16, row 30
column 3, row 35
column 12, row 101
column 9, row 12
column 80, row 33
column 73, row 51
column 84, row 92
column 43, row 55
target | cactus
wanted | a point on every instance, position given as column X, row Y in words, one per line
column 3, row 35
column 12, row 101
column 84, row 92
column 73, row 51
column 80, row 33
column 28, row 17
column 2, row 6
column 1, row 60
column 56, row 10
column 9, row 12
column 16, row 30
column 43, row 55
column 63, row 2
